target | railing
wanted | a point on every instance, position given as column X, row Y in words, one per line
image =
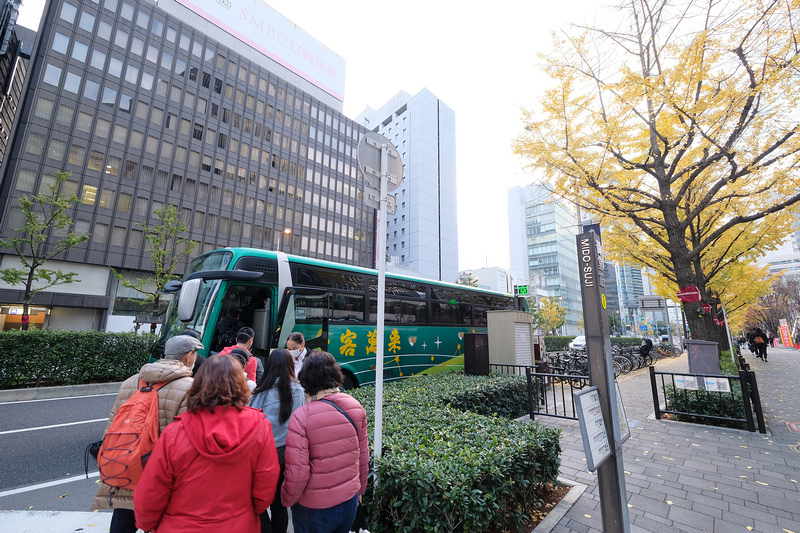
column 681, row 391
column 553, row 391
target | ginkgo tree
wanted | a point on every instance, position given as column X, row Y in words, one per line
column 678, row 130
column 549, row 316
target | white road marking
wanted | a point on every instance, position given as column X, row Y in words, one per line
column 62, row 398
column 47, row 484
column 54, row 426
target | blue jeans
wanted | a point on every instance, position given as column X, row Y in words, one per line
column 336, row 519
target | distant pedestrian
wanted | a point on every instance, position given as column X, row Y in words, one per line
column 760, row 343
column 278, row 395
column 216, row 468
column 175, row 369
column 327, row 452
column 771, row 340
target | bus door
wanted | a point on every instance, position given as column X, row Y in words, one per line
column 305, row 311
column 243, row 305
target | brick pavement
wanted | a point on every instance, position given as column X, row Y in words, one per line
column 694, row 478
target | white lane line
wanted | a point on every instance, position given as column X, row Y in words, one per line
column 47, row 484
column 62, row 398
column 55, row 426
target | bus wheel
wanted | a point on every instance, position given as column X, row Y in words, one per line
column 349, row 381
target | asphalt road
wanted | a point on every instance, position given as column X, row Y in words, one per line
column 34, row 453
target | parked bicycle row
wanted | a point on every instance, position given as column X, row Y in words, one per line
column 625, row 358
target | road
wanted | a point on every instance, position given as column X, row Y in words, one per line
column 42, row 445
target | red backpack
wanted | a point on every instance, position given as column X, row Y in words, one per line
column 131, row 438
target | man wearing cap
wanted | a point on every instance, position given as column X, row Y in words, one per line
column 244, row 340
column 180, row 353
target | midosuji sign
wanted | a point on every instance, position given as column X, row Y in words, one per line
column 610, row 472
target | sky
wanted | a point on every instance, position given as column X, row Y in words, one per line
column 481, row 60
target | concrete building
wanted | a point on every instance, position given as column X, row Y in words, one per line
column 542, row 235
column 492, row 278
column 422, row 236
column 226, row 110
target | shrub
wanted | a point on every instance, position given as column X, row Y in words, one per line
column 702, row 402
column 44, row 357
column 443, row 469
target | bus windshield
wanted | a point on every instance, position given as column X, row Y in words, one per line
column 173, row 325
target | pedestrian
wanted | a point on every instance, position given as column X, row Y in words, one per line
column 278, row 395
column 327, row 452
column 214, row 469
column 760, row 343
column 242, row 356
column 196, row 334
column 175, row 369
column 771, row 340
column 297, row 347
column 244, row 340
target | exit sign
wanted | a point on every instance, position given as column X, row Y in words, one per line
column 522, row 289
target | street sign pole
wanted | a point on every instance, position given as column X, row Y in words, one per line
column 375, row 150
column 610, row 473
column 381, row 256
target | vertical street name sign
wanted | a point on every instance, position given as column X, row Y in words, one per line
column 610, row 471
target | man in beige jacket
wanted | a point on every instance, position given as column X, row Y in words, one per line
column 180, row 353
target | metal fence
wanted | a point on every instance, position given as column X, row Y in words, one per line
column 548, row 394
column 709, row 398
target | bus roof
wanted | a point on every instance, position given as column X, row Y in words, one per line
column 257, row 252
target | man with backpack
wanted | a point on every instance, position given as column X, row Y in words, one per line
column 169, row 378
column 760, row 342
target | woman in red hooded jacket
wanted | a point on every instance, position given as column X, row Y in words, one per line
column 215, row 468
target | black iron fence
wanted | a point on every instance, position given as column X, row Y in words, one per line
column 548, row 394
column 713, row 399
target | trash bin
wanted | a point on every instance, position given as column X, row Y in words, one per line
column 476, row 354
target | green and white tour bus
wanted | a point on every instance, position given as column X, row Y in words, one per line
column 334, row 306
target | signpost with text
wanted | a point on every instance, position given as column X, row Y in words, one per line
column 610, row 473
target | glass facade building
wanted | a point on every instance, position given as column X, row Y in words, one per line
column 147, row 106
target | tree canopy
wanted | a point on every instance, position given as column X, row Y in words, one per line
column 549, row 316
column 678, row 131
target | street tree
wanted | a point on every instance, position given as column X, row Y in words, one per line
column 679, row 131
column 167, row 245
column 45, row 215
column 466, row 278
column 549, row 316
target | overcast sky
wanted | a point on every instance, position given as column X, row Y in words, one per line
column 479, row 59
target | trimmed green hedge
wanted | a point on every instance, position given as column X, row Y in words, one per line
column 702, row 402
column 443, row 469
column 44, row 357
column 560, row 344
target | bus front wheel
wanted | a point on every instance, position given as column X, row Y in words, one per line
column 349, row 381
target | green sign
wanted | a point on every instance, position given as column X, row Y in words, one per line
column 522, row 289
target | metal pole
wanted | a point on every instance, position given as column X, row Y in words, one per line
column 381, row 260
column 669, row 325
column 728, row 329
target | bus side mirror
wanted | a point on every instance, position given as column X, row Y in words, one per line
column 188, row 299
column 172, row 286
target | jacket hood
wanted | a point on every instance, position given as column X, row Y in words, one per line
column 225, row 433
column 164, row 370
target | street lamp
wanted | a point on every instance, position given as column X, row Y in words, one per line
column 287, row 232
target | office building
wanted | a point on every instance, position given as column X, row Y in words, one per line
column 542, row 236
column 225, row 110
column 422, row 236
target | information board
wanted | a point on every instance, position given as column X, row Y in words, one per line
column 593, row 427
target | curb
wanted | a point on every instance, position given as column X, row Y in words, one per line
column 557, row 513
column 67, row 391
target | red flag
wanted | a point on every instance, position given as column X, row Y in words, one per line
column 689, row 294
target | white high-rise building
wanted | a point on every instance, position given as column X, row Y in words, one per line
column 422, row 236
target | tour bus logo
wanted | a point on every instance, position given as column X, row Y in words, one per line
column 225, row 3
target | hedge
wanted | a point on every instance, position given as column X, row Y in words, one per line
column 702, row 402
column 44, row 357
column 444, row 469
column 560, row 344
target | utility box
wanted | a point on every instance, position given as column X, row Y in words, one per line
column 476, row 354
column 511, row 338
column 703, row 357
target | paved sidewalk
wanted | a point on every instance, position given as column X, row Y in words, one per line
column 693, row 478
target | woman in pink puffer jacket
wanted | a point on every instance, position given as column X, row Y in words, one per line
column 327, row 452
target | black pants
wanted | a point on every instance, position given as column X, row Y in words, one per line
column 123, row 521
column 280, row 515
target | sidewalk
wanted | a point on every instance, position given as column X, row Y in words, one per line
column 693, row 478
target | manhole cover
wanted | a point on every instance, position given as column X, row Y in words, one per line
column 795, row 447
